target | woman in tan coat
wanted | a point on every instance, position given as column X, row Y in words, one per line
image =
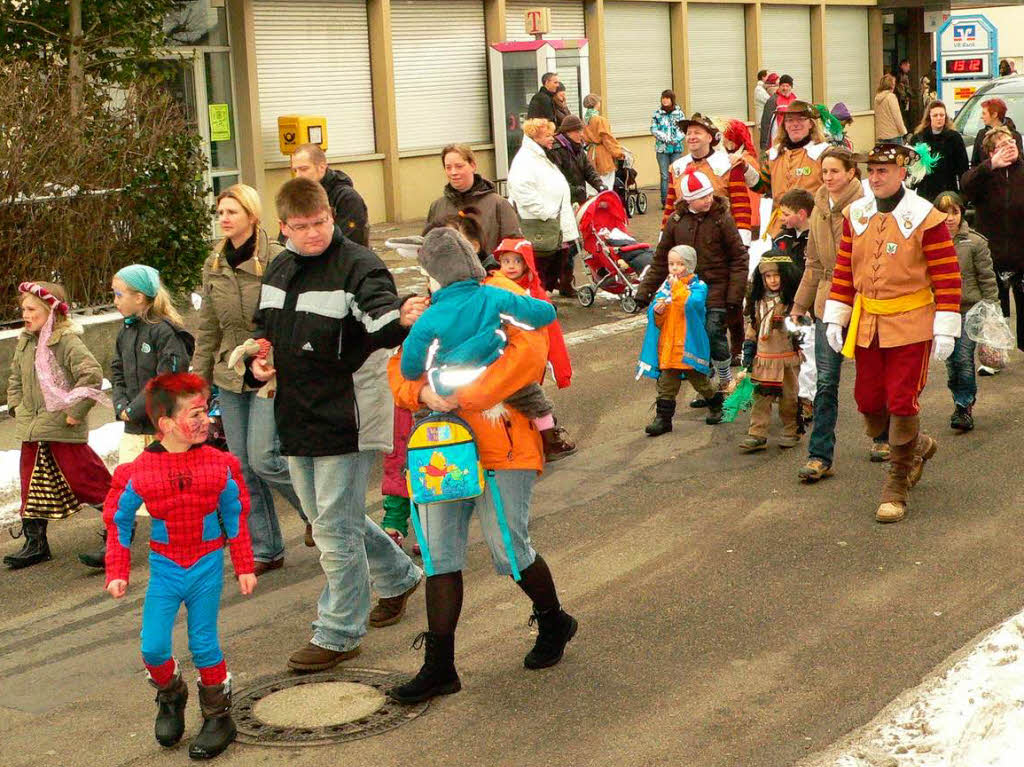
column 232, row 276
column 604, row 148
column 841, row 185
column 889, row 125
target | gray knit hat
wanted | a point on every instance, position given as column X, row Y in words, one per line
column 688, row 254
column 448, row 257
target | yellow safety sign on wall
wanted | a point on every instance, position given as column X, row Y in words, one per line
column 295, row 130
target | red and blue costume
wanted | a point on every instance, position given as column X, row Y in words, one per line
column 196, row 499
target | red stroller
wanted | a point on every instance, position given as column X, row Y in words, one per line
column 613, row 257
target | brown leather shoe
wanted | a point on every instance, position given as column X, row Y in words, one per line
column 389, row 610
column 316, row 658
column 265, row 567
column 308, row 540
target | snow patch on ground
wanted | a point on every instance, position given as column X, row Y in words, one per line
column 104, row 441
column 970, row 715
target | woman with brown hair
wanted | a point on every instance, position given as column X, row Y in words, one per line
column 889, row 126
column 935, row 131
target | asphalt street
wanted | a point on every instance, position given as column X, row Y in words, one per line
column 728, row 614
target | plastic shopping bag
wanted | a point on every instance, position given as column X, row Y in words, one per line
column 985, row 323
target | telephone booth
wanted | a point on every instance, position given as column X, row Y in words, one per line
column 515, row 71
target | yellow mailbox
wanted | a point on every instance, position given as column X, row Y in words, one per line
column 295, row 130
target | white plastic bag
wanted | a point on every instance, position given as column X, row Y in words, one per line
column 984, row 323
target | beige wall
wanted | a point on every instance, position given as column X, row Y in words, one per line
column 646, row 166
column 368, row 177
column 862, row 132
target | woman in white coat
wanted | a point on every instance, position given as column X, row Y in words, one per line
column 540, row 194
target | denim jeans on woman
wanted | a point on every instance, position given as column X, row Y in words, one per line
column 354, row 551
column 252, row 438
column 822, row 444
column 665, row 159
column 960, row 370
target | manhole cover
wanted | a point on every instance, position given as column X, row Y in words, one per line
column 317, row 709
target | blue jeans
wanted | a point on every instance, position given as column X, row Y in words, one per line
column 252, row 438
column 664, row 160
column 353, row 549
column 822, row 444
column 446, row 525
column 960, row 369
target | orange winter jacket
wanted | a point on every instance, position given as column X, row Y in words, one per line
column 509, row 441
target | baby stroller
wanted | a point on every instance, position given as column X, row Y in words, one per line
column 634, row 200
column 613, row 257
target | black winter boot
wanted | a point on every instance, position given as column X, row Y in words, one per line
column 35, row 549
column 664, row 409
column 218, row 729
column 962, row 418
column 437, row 675
column 97, row 557
column 170, row 712
column 555, row 628
column 714, row 415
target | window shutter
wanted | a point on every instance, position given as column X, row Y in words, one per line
column 638, row 60
column 716, row 38
column 441, row 89
column 786, row 45
column 313, row 58
column 846, row 45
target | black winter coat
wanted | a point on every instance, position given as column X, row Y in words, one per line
column 144, row 350
column 998, row 197
column 571, row 159
column 542, row 105
column 951, row 166
column 325, row 315
column 722, row 257
column 349, row 208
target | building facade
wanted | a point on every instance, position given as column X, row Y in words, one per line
column 398, row 79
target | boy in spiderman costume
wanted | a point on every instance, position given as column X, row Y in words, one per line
column 197, row 499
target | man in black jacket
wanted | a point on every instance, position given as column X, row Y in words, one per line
column 542, row 104
column 309, row 161
column 329, row 311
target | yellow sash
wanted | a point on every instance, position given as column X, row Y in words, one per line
column 906, row 303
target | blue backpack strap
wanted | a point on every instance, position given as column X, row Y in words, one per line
column 506, row 536
column 428, row 563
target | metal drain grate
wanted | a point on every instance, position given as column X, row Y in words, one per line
column 255, row 731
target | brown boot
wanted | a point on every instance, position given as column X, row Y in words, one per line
column 313, row 657
column 308, row 538
column 557, row 444
column 893, row 507
column 923, row 450
column 389, row 610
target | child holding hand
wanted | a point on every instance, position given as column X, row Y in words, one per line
column 770, row 355
column 676, row 344
column 199, row 503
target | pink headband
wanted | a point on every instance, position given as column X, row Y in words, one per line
column 43, row 294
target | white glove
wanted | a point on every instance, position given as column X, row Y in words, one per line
column 942, row 347
column 834, row 336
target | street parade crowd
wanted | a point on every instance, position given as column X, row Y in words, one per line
column 320, row 368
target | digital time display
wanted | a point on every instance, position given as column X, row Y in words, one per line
column 972, row 66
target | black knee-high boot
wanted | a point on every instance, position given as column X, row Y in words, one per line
column 35, row 549
column 437, row 675
column 555, row 627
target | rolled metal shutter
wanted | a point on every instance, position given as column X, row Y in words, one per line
column 786, row 45
column 566, row 19
column 638, row 60
column 846, row 46
column 441, row 91
column 716, row 38
column 313, row 58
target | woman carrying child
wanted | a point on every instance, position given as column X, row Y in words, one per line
column 978, row 283
column 769, row 353
column 676, row 344
column 54, row 383
column 151, row 341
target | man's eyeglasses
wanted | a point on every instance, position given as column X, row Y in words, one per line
column 300, row 228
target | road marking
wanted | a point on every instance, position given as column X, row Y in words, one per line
column 405, row 270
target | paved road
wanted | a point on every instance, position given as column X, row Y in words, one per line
column 729, row 616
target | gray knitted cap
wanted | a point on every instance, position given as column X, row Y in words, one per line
column 448, row 257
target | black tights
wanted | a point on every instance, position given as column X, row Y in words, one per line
column 444, row 595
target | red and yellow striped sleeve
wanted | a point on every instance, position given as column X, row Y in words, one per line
column 943, row 268
column 739, row 199
column 670, row 204
column 842, row 278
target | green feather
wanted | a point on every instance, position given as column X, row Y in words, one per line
column 833, row 128
column 924, row 164
column 739, row 400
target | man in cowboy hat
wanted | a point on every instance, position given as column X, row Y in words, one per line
column 702, row 139
column 896, row 288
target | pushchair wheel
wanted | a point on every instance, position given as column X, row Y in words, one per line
column 641, row 203
column 630, row 205
column 628, row 303
column 586, row 295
